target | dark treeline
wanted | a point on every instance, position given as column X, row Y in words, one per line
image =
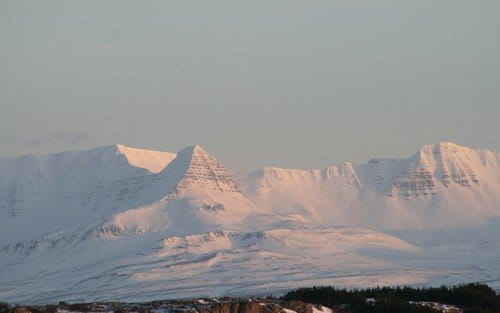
column 473, row 298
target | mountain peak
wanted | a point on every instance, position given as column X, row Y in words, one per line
column 198, row 149
column 195, row 168
column 192, row 150
column 442, row 148
column 438, row 166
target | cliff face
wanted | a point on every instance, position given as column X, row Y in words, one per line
column 437, row 167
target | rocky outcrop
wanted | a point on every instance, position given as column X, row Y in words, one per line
column 223, row 305
column 414, row 182
column 437, row 167
column 195, row 168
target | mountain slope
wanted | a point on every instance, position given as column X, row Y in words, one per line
column 153, row 161
column 71, row 177
column 42, row 193
column 122, row 223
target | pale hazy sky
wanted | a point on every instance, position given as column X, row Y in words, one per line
column 294, row 83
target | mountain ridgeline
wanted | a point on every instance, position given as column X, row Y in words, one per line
column 113, row 218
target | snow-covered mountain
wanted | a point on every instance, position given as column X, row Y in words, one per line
column 124, row 223
column 125, row 189
column 42, row 193
column 442, row 185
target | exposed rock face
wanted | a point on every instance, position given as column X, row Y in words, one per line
column 13, row 199
column 417, row 181
column 436, row 167
column 195, row 168
column 379, row 167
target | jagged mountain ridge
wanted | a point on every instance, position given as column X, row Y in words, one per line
column 441, row 185
column 109, row 220
column 118, row 178
column 433, row 168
